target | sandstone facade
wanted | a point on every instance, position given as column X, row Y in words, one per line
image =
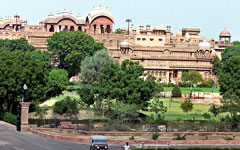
column 161, row 53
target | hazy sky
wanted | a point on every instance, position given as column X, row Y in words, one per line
column 211, row 16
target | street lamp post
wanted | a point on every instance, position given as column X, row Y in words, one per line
column 25, row 92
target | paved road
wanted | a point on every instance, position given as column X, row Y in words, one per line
column 10, row 139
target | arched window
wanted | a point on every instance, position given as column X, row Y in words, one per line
column 108, row 29
column 79, row 28
column 94, row 28
column 72, row 28
column 102, row 28
column 51, row 28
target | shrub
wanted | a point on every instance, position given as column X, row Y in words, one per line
column 67, row 105
column 206, row 138
column 179, row 137
column 184, row 84
column 176, row 91
column 132, row 138
column 229, row 138
column 210, row 83
column 155, row 136
column 206, row 116
column 8, row 117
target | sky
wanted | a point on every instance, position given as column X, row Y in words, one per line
column 211, row 16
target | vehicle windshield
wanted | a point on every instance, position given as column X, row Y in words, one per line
column 100, row 141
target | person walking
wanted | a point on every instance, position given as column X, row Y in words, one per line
column 126, row 146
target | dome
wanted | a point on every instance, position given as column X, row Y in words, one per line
column 100, row 11
column 204, row 45
column 125, row 43
column 225, row 32
column 64, row 13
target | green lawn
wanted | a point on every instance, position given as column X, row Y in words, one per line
column 174, row 111
column 186, row 90
column 53, row 100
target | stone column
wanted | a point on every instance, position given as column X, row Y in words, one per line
column 24, row 116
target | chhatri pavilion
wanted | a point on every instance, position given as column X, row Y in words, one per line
column 161, row 53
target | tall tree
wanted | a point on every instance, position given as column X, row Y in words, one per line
column 18, row 44
column 72, row 48
column 193, row 77
column 216, row 66
column 57, row 82
column 91, row 66
column 18, row 68
column 230, row 75
column 125, row 83
column 230, row 52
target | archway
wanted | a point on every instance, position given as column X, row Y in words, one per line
column 72, row 28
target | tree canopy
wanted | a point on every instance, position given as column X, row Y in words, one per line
column 72, row 48
column 193, row 77
column 230, row 75
column 18, row 68
column 216, row 66
column 57, row 82
column 18, row 44
column 126, row 83
column 91, row 66
column 230, row 52
column 187, row 105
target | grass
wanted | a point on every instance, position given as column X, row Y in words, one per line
column 53, row 100
column 174, row 112
column 186, row 90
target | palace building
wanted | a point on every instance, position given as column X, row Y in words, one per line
column 161, row 53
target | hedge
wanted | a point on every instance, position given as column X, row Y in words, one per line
column 190, row 148
column 8, row 117
column 56, row 122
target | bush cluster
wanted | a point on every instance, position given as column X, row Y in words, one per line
column 8, row 117
column 176, row 91
column 56, row 122
column 179, row 137
column 155, row 136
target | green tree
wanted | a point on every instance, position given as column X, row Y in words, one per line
column 18, row 68
column 67, row 106
column 72, row 48
column 230, row 75
column 215, row 111
column 118, row 31
column 231, row 103
column 91, row 66
column 230, row 52
column 187, row 106
column 18, row 44
column 193, row 77
column 125, row 82
column 57, row 82
column 216, row 66
column 126, row 112
column 210, row 83
column 156, row 106
column 236, row 43
column 86, row 95
column 176, row 91
column 90, row 72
